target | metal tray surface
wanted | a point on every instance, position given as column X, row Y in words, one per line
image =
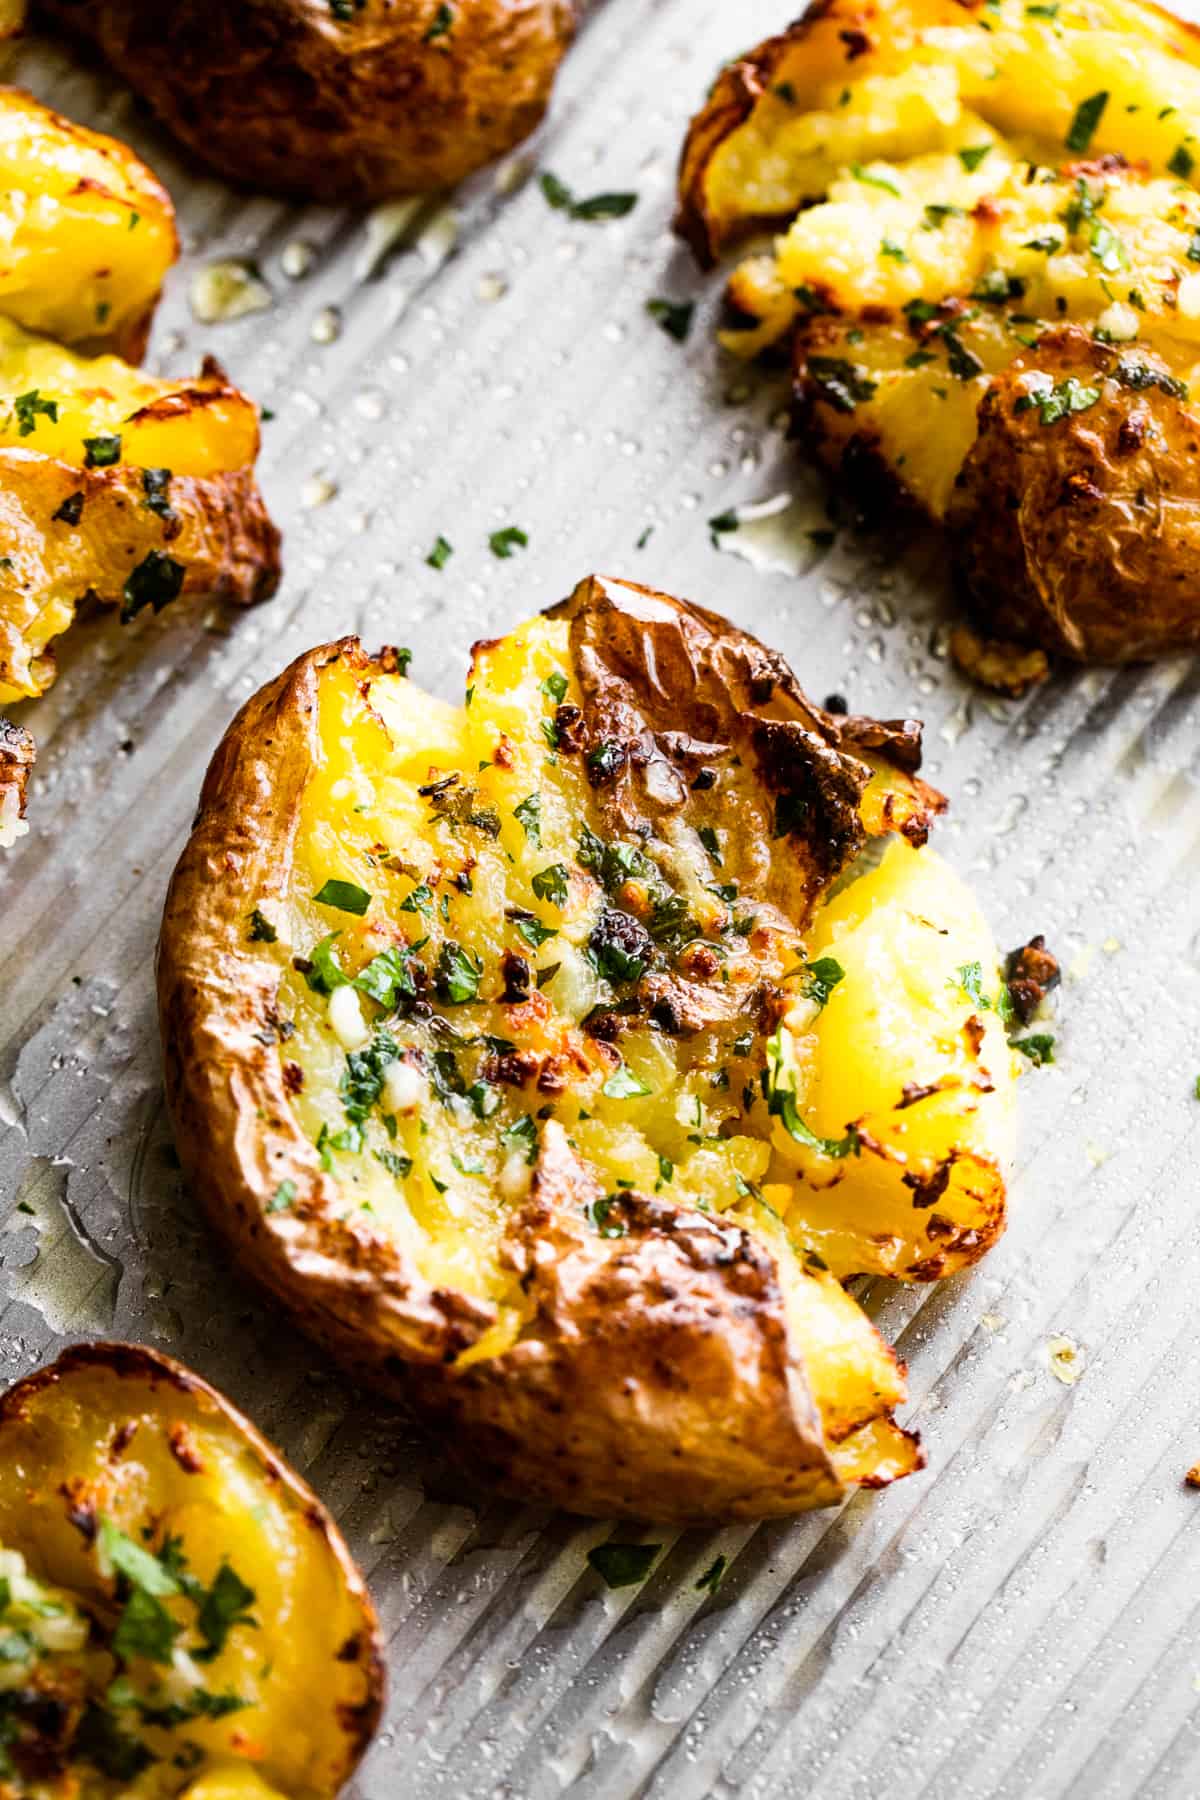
column 1020, row 1621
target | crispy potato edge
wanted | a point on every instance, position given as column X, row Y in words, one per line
column 139, row 1363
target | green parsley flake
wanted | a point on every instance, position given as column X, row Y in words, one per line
column 529, row 817
column 1087, row 117
column 623, row 1084
column 674, row 316
column 101, row 452
column 503, row 543
column 623, row 1565
column 345, row 896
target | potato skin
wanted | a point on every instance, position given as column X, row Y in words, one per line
column 732, row 98
column 1084, row 535
column 282, row 95
column 75, row 1409
column 656, row 1376
column 218, row 530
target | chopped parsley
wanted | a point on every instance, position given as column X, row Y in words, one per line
column 529, row 817
column 71, row 510
column 596, row 1213
column 441, row 553
column 780, row 1086
column 388, row 977
column 551, row 884
column 155, row 582
column 875, row 181
column 712, row 843
column 522, row 1135
column 890, row 248
column 419, row 901
column 503, row 543
column 1133, row 372
column 531, row 928
column 598, row 206
column 821, row 977
column 282, row 1198
column 1057, row 400
column 996, row 287
column 345, row 896
column 972, row 155
column 712, row 1577
column 28, row 406
column 674, row 316
column 1087, row 117
column 224, row 1606
column 623, row 1565
column 623, row 1084
column 844, row 384
column 457, row 975
column 555, row 687
column 362, row 1079
column 102, row 452
column 325, row 971
column 1038, row 1047
column 1182, row 163
column 440, row 25
column 394, row 1163
column 156, row 484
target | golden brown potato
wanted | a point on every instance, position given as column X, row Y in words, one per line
column 88, row 231
column 581, row 1027
column 958, row 184
column 181, row 1616
column 1084, row 533
column 338, row 100
column 132, row 533
column 114, row 485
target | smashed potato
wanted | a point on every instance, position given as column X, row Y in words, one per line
column 114, row 485
column 179, row 1615
column 990, row 210
column 336, row 100
column 581, row 1030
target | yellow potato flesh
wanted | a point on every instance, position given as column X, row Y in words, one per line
column 200, row 427
column 444, row 1172
column 917, row 952
column 86, row 232
column 940, row 169
column 186, row 1473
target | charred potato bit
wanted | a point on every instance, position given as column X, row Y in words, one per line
column 989, row 274
column 156, row 1559
column 336, row 100
column 556, row 1078
column 17, row 757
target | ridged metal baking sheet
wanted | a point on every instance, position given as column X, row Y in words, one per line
column 1021, row 1620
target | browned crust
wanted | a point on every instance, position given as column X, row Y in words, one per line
column 677, row 688
column 137, row 1363
column 1083, row 535
column 218, row 529
column 654, row 1377
column 17, row 757
column 282, row 95
column 704, row 1410
column 733, row 96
